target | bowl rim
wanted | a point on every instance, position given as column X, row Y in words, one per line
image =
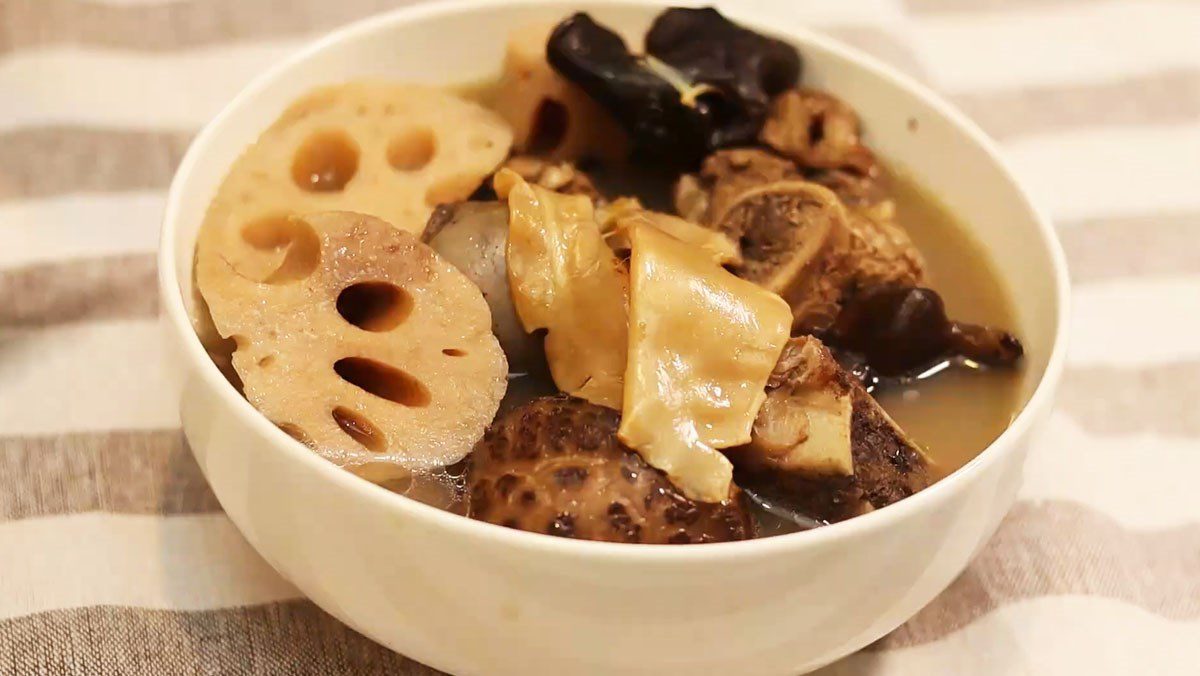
column 175, row 314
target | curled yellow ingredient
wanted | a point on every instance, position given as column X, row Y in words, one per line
column 565, row 279
column 702, row 344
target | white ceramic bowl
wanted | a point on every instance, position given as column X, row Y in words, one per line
column 473, row 598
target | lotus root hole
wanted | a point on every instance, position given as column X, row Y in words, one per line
column 450, row 189
column 360, row 429
column 278, row 232
column 454, row 352
column 325, row 162
column 374, row 306
column 383, row 380
column 549, row 127
column 294, row 431
column 411, row 150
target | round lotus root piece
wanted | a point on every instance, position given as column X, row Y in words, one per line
column 394, row 151
column 366, row 346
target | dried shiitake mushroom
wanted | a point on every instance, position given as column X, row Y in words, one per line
column 371, row 349
column 555, row 466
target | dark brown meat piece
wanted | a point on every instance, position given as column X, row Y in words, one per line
column 880, row 251
column 723, row 177
column 555, row 466
column 561, row 177
column 750, row 195
column 809, row 385
column 793, row 240
column 818, row 131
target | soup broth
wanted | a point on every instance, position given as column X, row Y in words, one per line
column 957, row 414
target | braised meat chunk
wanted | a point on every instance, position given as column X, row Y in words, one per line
column 556, row 466
column 822, row 446
column 798, row 239
column 818, row 131
column 563, row 177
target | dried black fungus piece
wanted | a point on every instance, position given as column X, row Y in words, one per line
column 745, row 68
column 705, row 84
column 900, row 331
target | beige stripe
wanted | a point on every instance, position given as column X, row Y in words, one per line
column 293, row 637
column 131, row 472
column 188, row 23
column 56, row 160
column 1167, row 97
column 118, row 287
column 1062, row 548
column 1159, row 399
column 951, row 6
column 1105, row 249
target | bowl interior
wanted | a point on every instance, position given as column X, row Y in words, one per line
column 463, row 43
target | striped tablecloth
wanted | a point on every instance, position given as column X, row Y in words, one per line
column 115, row 557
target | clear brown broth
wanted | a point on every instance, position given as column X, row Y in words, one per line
column 959, row 412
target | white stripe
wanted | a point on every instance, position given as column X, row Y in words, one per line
column 1048, row 635
column 177, row 563
column 1110, row 171
column 183, row 90
column 171, row 91
column 132, row 3
column 1135, row 322
column 1141, row 481
column 79, row 226
column 810, row 13
column 1071, row 43
column 88, row 376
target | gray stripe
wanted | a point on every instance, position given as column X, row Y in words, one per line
column 49, row 161
column 1114, row 248
column 130, row 472
column 116, row 287
column 1122, row 401
column 1054, row 548
column 170, row 25
column 1166, row 97
column 281, row 638
column 152, row 472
